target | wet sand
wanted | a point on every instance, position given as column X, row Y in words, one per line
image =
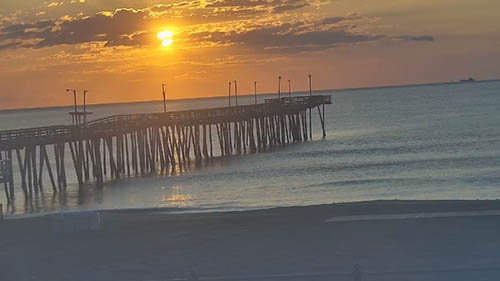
column 296, row 243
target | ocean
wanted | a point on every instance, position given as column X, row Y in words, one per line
column 416, row 142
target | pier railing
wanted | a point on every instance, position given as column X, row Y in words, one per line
column 34, row 132
column 303, row 100
column 118, row 123
column 19, row 137
column 213, row 114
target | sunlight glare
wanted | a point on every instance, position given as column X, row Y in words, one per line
column 167, row 42
column 166, row 37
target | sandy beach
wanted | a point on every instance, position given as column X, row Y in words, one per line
column 296, row 243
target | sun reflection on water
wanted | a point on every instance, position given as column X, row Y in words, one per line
column 175, row 198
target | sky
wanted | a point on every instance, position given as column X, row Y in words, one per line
column 111, row 47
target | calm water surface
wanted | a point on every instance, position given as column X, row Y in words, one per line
column 428, row 142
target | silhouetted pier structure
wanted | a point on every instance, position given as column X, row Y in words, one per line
column 152, row 143
column 79, row 118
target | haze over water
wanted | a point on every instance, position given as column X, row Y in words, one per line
column 426, row 142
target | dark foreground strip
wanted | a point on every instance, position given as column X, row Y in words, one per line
column 329, row 275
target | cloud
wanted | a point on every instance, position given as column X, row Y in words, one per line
column 333, row 20
column 288, row 37
column 16, row 28
column 250, row 24
column 55, row 4
column 166, row 7
column 238, row 3
column 416, row 38
column 123, row 27
column 284, row 8
column 275, row 6
column 9, row 45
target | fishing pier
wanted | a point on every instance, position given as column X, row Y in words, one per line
column 153, row 143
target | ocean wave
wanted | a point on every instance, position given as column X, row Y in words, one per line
column 394, row 149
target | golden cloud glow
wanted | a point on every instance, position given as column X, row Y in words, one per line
column 166, row 37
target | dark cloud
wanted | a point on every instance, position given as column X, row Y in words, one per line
column 286, row 5
column 10, row 45
column 287, row 38
column 276, row 6
column 25, row 31
column 21, row 27
column 121, row 28
column 139, row 39
column 333, row 20
column 416, row 38
column 284, row 8
column 124, row 22
column 238, row 3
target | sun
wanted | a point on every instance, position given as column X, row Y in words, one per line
column 166, row 37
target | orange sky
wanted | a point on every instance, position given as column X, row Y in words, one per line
column 111, row 47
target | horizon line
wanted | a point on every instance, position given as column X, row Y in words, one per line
column 261, row 94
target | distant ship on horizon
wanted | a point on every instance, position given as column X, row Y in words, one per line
column 470, row 80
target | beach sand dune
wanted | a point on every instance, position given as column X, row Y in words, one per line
column 296, row 243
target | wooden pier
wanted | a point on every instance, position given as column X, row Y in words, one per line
column 154, row 143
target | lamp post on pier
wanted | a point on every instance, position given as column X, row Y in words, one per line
column 279, row 87
column 310, row 110
column 85, row 106
column 163, row 86
column 236, row 91
column 255, row 91
column 310, row 85
column 74, row 115
column 289, row 88
column 84, row 100
column 229, row 95
column 74, row 97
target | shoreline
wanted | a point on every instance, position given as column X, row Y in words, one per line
column 292, row 242
column 346, row 209
column 375, row 206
